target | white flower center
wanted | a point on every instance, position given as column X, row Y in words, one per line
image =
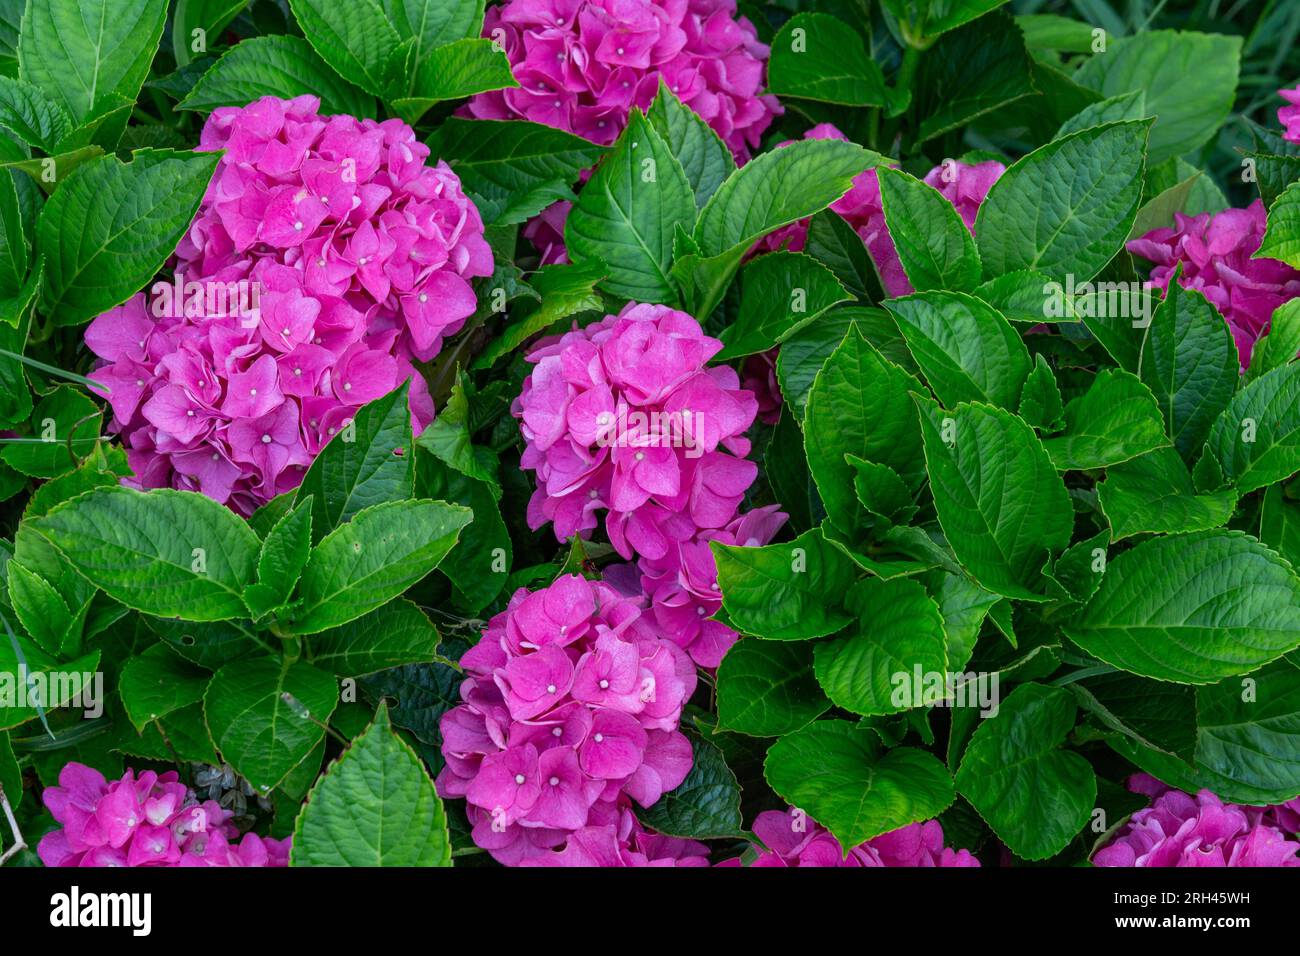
column 519, row 778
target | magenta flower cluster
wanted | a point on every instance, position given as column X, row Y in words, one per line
column 145, row 819
column 1215, row 251
column 623, row 843
column 583, row 64
column 792, row 839
column 1289, row 115
column 326, row 258
column 626, row 417
column 1179, row 829
column 570, row 712
column 962, row 184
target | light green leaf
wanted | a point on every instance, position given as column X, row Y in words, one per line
column 31, row 115
column 767, row 688
column 375, row 806
column 870, row 670
column 1067, row 207
column 373, row 558
column 1282, row 233
column 817, row 57
column 283, row 66
column 626, row 220
column 459, row 69
column 967, row 351
column 1192, row 608
column 267, row 715
column 1190, row 82
column 395, row 634
column 514, row 168
column 780, row 293
column 784, row 592
column 1114, row 420
column 1114, row 109
column 166, row 553
column 1190, row 363
column 1256, row 440
column 1040, row 399
column 435, row 22
column 705, row 158
column 370, row 463
column 84, row 53
column 111, row 225
column 999, row 499
column 1282, row 343
column 64, row 429
column 1033, row 794
column 935, row 247
column 158, row 682
column 804, row 353
column 283, row 556
column 1154, row 493
column 843, row 778
column 355, row 38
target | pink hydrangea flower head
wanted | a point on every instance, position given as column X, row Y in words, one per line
column 1289, row 115
column 792, row 839
column 583, row 64
column 1179, row 829
column 144, row 819
column 682, row 583
column 625, row 416
column 1215, row 250
column 326, row 258
column 569, row 713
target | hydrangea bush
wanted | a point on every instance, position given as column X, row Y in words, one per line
column 641, row 433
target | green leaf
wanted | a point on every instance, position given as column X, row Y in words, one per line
column 373, row 558
column 777, row 188
column 817, row 57
column 31, row 115
column 283, row 66
column 1154, row 493
column 375, row 806
column 935, row 247
column 859, row 405
column 84, row 53
column 926, row 19
column 267, row 715
column 970, row 73
column 1192, row 608
column 565, row 290
column 1067, row 207
column 767, row 688
column 159, row 682
column 626, row 214
column 784, row 592
column 1115, row 420
column 479, row 565
column 1040, row 399
column 111, row 225
column 967, row 351
column 355, row 38
column 1156, row 714
column 370, row 463
column 448, row 439
column 1256, row 440
column 705, row 806
column 1114, row 109
column 43, row 613
column 208, row 16
column 705, row 158
column 1190, row 363
column 1190, row 82
column 433, row 23
column 881, row 492
column 1282, row 343
column 779, row 293
column 964, row 605
column 458, row 69
column 283, row 556
column 899, row 630
column 1279, row 524
column 1033, row 794
column 998, row 497
column 844, row 779
column 804, row 353
column 166, row 553
column 1158, row 211
column 395, row 634
column 1282, row 233
column 514, row 169
column 65, row 427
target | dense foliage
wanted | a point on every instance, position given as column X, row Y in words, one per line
column 649, row 432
